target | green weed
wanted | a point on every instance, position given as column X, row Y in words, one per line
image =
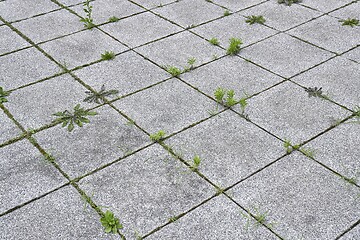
column 289, row 147
column 308, row 152
column 214, row 41
column 113, row 19
column 255, row 19
column 229, row 101
column 110, row 223
column 196, row 163
column 99, row 96
column 260, row 217
column 234, row 46
column 352, row 22
column 108, row 55
column 288, row 2
column 158, row 136
column 227, row 13
column 3, row 95
column 174, row 71
column 88, row 21
column 191, row 61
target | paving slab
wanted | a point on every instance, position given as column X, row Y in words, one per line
column 82, row 47
column 72, row 221
column 304, row 199
column 353, row 55
column 218, row 217
column 146, row 189
column 105, row 139
column 11, row 41
column 288, row 112
column 325, row 5
column 24, row 67
column 169, row 106
column 153, row 3
column 350, row 11
column 230, row 148
column 140, row 29
column 338, row 38
column 237, row 5
column 353, row 234
column 70, row 2
column 127, row 73
column 25, row 175
column 285, row 55
column 8, row 128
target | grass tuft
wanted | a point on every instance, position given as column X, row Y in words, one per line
column 234, row 46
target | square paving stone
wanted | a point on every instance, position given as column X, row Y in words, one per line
column 328, row 32
column 350, row 11
column 218, row 217
column 50, row 26
column 288, row 112
column 72, row 2
column 103, row 140
column 237, row 5
column 231, row 73
column 59, row 215
column 140, row 29
column 285, row 55
column 8, row 128
column 25, row 175
column 230, row 148
column 20, row 9
column 281, row 16
column 126, row 73
column 190, row 12
column 146, row 189
column 81, row 48
column 10, row 40
column 25, row 66
column 169, row 106
column 353, row 55
column 33, row 106
column 325, row 5
column 177, row 49
column 233, row 26
column 153, row 3
column 338, row 78
column 304, row 199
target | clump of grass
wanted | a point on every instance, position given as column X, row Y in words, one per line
column 174, row 71
column 229, row 100
column 214, row 41
column 191, row 61
column 99, row 97
column 260, row 219
column 158, row 136
column 227, row 12
column 352, row 22
column 88, row 21
column 288, row 2
column 196, row 163
column 3, row 95
column 110, row 222
column 255, row 19
column 113, row 19
column 234, row 46
column 289, row 147
column 108, row 55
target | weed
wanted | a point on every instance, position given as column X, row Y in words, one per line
column 229, row 101
column 214, row 41
column 243, row 103
column 214, row 57
column 114, row 19
column 234, row 46
column 196, row 163
column 255, row 19
column 174, row 71
column 88, row 21
column 227, row 13
column 230, row 98
column 260, row 217
column 173, row 219
column 219, row 94
column 3, row 95
column 308, row 152
column 288, row 2
column 289, row 147
column 156, row 137
column 191, row 61
column 219, row 190
column 350, row 22
column 110, row 223
column 352, row 180
column 70, row 119
column 316, row 92
column 108, row 55
column 99, row 96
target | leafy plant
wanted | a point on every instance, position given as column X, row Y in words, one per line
column 110, row 223
column 227, row 13
column 156, row 137
column 88, row 21
column 350, row 22
column 316, row 92
column 113, row 19
column 174, row 71
column 289, row 147
column 243, row 103
column 3, row 95
column 260, row 217
column 230, row 98
column 219, row 94
column 108, row 55
column 288, row 2
column 255, row 19
column 99, row 96
column 234, row 46
column 214, row 41
column 173, row 219
column 229, row 101
column 191, row 61
column 70, row 119
column 196, row 163
column 308, row 152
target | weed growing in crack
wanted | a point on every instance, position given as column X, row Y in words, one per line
column 255, row 19
column 70, row 119
column 191, row 61
column 227, row 13
column 108, row 55
column 289, row 147
column 288, row 2
column 110, row 222
column 234, row 46
column 214, row 41
column 3, row 95
column 158, row 136
column 351, row 180
column 196, row 163
column 260, row 219
column 173, row 219
column 88, row 21
column 174, row 71
column 352, row 22
column 316, row 92
column 308, row 152
column 114, row 19
column 99, row 96
column 229, row 101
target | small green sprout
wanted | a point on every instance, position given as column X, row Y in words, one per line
column 156, row 137
column 114, row 19
column 99, row 97
column 214, row 41
column 229, row 101
column 288, row 2
column 243, row 103
column 289, row 147
column 260, row 217
column 234, row 46
column 88, row 21
column 173, row 219
column 308, row 152
column 219, row 94
column 110, row 223
column 196, row 163
column 174, row 71
column 108, row 55
column 191, row 61
column 255, row 19
column 230, row 98
column 227, row 12
column 352, row 22
column 3, row 95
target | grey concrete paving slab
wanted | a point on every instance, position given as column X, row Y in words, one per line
column 169, row 106
column 353, row 55
column 25, row 66
column 20, row 9
column 70, row 2
column 25, row 174
column 353, row 234
column 10, row 40
column 234, row 26
column 37, row 221
column 177, row 49
column 338, row 38
column 8, row 128
column 237, row 5
column 230, row 148
column 33, row 106
column 304, row 199
column 338, row 78
column 50, row 26
column 350, row 11
column 103, row 140
column 325, row 5
column 218, row 217
column 190, row 12
column 153, row 3
column 231, row 73
column 285, row 55
column 146, row 189
column 82, row 48
column 280, row 16
column 288, row 112
column 140, row 29
column 127, row 73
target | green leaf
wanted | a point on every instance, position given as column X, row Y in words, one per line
column 91, row 113
column 108, row 229
column 71, row 126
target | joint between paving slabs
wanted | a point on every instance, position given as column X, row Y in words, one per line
column 348, row 230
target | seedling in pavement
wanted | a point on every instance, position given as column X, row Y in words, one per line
column 88, row 21
column 191, row 61
column 288, row 2
column 110, row 223
column 99, row 97
column 196, row 163
column 174, row 71
column 234, row 46
column 255, row 19
column 70, row 119
column 219, row 94
column 3, row 95
column 214, row 41
column 289, row 147
column 229, row 101
column 230, row 98
column 227, row 13
column 260, row 217
column 108, row 55
column 156, row 137
column 113, row 19
column 350, row 22
column 308, row 152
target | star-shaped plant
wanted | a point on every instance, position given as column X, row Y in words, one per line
column 99, row 97
column 288, row 2
column 350, row 22
column 255, row 19
column 110, row 223
column 3, row 95
column 314, row 92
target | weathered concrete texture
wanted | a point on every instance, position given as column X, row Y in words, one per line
column 285, row 55
column 10, row 40
column 146, row 189
column 218, row 218
column 353, row 55
column 225, row 145
column 350, row 11
column 127, row 73
column 190, row 12
column 140, row 29
column 304, row 199
column 8, row 128
column 25, row 174
column 103, row 140
column 237, row 5
column 153, row 3
column 329, row 33
column 59, row 215
column 288, row 112
column 177, row 49
column 338, row 78
column 82, row 48
column 234, row 26
column 70, row 2
column 353, row 234
column 325, row 5
column 25, row 66
column 169, row 106
column 280, row 16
